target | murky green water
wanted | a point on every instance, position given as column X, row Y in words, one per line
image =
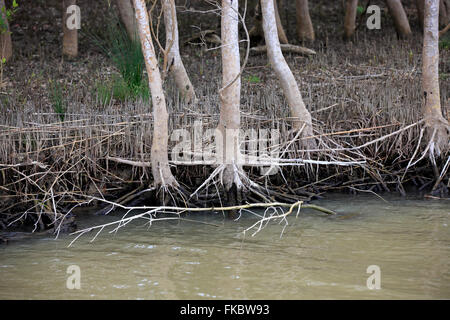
column 318, row 257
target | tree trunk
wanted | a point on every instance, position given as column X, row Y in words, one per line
column 280, row 30
column 305, row 30
column 400, row 19
column 175, row 65
column 160, row 159
column 5, row 37
column 444, row 13
column 350, row 18
column 420, row 9
column 301, row 116
column 70, row 37
column 127, row 16
column 257, row 30
column 435, row 122
column 230, row 95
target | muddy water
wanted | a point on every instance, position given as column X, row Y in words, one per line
column 317, row 257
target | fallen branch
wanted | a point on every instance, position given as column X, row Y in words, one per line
column 151, row 211
column 290, row 48
column 130, row 162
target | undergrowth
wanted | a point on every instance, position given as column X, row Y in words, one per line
column 126, row 55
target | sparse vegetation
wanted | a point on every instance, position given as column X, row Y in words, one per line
column 57, row 99
column 253, row 79
column 444, row 44
column 126, row 56
column 360, row 9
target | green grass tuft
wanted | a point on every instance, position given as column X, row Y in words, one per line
column 57, row 99
column 127, row 57
column 444, row 44
column 360, row 9
column 253, row 79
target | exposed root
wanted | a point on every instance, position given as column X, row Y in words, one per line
column 41, row 191
column 151, row 215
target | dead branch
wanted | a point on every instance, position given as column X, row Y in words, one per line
column 290, row 48
column 151, row 211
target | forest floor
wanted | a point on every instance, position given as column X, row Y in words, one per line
column 357, row 91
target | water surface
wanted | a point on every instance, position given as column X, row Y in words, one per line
column 317, row 257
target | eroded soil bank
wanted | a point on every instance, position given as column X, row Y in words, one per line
column 357, row 92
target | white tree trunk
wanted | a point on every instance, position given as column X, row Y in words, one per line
column 160, row 162
column 301, row 116
column 305, row 30
column 400, row 19
column 430, row 79
column 230, row 95
column 5, row 37
column 127, row 16
column 70, row 36
column 175, row 64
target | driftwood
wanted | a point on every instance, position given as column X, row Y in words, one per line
column 286, row 48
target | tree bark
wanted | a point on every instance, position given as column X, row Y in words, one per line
column 444, row 13
column 350, row 18
column 5, row 37
column 436, row 123
column 301, row 116
column 420, row 10
column 127, row 16
column 280, row 30
column 159, row 157
column 70, row 37
column 230, row 95
column 175, row 64
column 305, row 30
column 257, row 30
column 400, row 19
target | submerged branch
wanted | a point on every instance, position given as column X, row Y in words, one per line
column 151, row 212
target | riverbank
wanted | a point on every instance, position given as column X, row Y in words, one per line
column 364, row 96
